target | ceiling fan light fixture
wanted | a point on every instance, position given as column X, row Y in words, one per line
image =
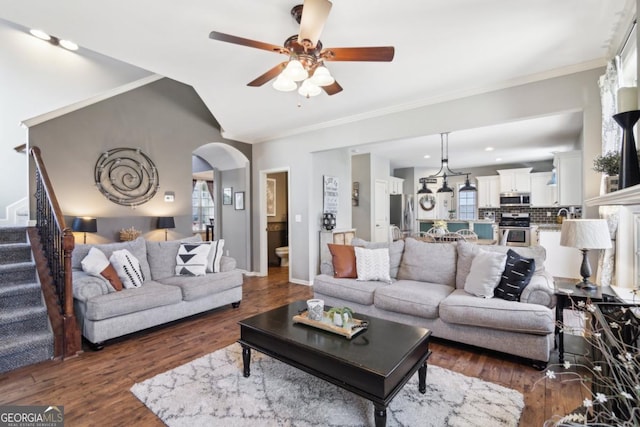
column 40, row 34
column 314, row 16
column 295, row 71
column 322, row 76
column 284, row 84
column 68, row 44
column 308, row 89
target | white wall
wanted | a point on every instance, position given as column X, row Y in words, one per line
column 37, row 77
column 575, row 92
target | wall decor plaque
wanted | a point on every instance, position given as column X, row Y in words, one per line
column 126, row 176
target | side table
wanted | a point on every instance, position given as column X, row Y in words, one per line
column 565, row 292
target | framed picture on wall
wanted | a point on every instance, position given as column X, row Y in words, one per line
column 271, row 197
column 239, row 200
column 226, row 195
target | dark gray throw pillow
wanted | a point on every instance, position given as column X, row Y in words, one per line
column 516, row 276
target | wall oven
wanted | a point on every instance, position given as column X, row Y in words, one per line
column 516, row 227
column 508, row 200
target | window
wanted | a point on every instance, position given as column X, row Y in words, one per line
column 467, row 201
column 202, row 205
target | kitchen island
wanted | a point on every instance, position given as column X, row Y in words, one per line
column 485, row 229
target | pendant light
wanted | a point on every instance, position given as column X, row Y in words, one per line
column 424, row 189
column 445, row 171
column 467, row 186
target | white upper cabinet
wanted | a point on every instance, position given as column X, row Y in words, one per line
column 488, row 191
column 569, row 176
column 543, row 195
column 396, row 185
column 515, row 180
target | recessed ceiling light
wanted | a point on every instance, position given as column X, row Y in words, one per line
column 40, row 34
column 488, row 149
column 69, row 45
column 426, row 156
column 498, row 159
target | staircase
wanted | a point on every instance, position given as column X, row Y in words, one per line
column 25, row 331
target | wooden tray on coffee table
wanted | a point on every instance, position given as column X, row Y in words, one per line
column 353, row 327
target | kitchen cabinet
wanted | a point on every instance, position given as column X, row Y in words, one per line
column 515, row 180
column 543, row 195
column 569, row 177
column 488, row 191
column 396, row 185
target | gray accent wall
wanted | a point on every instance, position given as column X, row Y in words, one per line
column 166, row 120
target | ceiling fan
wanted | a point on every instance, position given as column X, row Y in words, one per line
column 306, row 53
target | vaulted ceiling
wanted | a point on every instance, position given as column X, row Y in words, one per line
column 443, row 50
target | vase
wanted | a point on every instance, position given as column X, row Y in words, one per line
column 629, row 173
column 611, row 183
column 338, row 320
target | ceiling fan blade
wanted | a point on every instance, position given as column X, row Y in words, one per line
column 269, row 75
column 247, row 42
column 314, row 16
column 378, row 53
column 333, row 88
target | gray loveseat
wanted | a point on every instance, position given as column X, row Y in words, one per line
column 427, row 290
column 104, row 313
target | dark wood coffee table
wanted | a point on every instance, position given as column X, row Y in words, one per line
column 375, row 364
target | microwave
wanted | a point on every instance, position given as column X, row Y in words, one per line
column 515, row 199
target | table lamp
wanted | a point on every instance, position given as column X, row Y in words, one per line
column 585, row 234
column 166, row 222
column 85, row 225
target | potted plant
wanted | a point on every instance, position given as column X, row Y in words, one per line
column 609, row 165
column 340, row 315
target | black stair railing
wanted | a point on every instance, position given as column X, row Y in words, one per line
column 57, row 243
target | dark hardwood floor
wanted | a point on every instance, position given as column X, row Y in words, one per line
column 94, row 387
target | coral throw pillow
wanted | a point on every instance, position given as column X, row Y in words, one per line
column 344, row 261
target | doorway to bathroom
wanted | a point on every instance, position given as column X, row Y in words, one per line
column 277, row 215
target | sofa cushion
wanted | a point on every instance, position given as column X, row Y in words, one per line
column 97, row 264
column 194, row 287
column 463, row 308
column 128, row 268
column 346, row 289
column 372, row 264
column 133, row 300
column 466, row 252
column 485, row 273
column 428, row 262
column 395, row 252
column 516, row 276
column 138, row 249
column 192, row 259
column 162, row 256
column 410, row 297
column 343, row 259
column 215, row 255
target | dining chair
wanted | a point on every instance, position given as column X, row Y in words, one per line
column 451, row 237
column 469, row 235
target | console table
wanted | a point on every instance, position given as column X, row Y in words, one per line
column 566, row 292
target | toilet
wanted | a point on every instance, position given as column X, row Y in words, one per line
column 283, row 254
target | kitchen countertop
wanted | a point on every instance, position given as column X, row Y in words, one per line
column 548, row 227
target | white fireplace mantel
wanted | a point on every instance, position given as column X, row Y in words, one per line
column 626, row 197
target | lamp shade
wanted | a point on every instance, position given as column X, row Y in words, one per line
column 166, row 222
column 85, row 224
column 585, row 234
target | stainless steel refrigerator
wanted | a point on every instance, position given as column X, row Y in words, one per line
column 402, row 212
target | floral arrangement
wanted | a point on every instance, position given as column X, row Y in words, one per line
column 612, row 380
column 129, row 234
column 440, row 224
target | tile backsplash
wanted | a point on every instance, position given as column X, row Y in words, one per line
column 538, row 215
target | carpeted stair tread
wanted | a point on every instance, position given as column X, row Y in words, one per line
column 20, row 295
column 18, row 272
column 23, row 350
column 15, row 252
column 13, row 234
column 21, row 320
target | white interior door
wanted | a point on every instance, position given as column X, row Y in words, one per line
column 381, row 212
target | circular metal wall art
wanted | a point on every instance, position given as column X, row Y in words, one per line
column 126, row 176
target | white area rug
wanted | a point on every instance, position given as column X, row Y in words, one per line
column 211, row 391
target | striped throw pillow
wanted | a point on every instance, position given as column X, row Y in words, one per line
column 128, row 268
column 215, row 254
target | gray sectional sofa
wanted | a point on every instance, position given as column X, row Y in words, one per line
column 427, row 290
column 104, row 313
